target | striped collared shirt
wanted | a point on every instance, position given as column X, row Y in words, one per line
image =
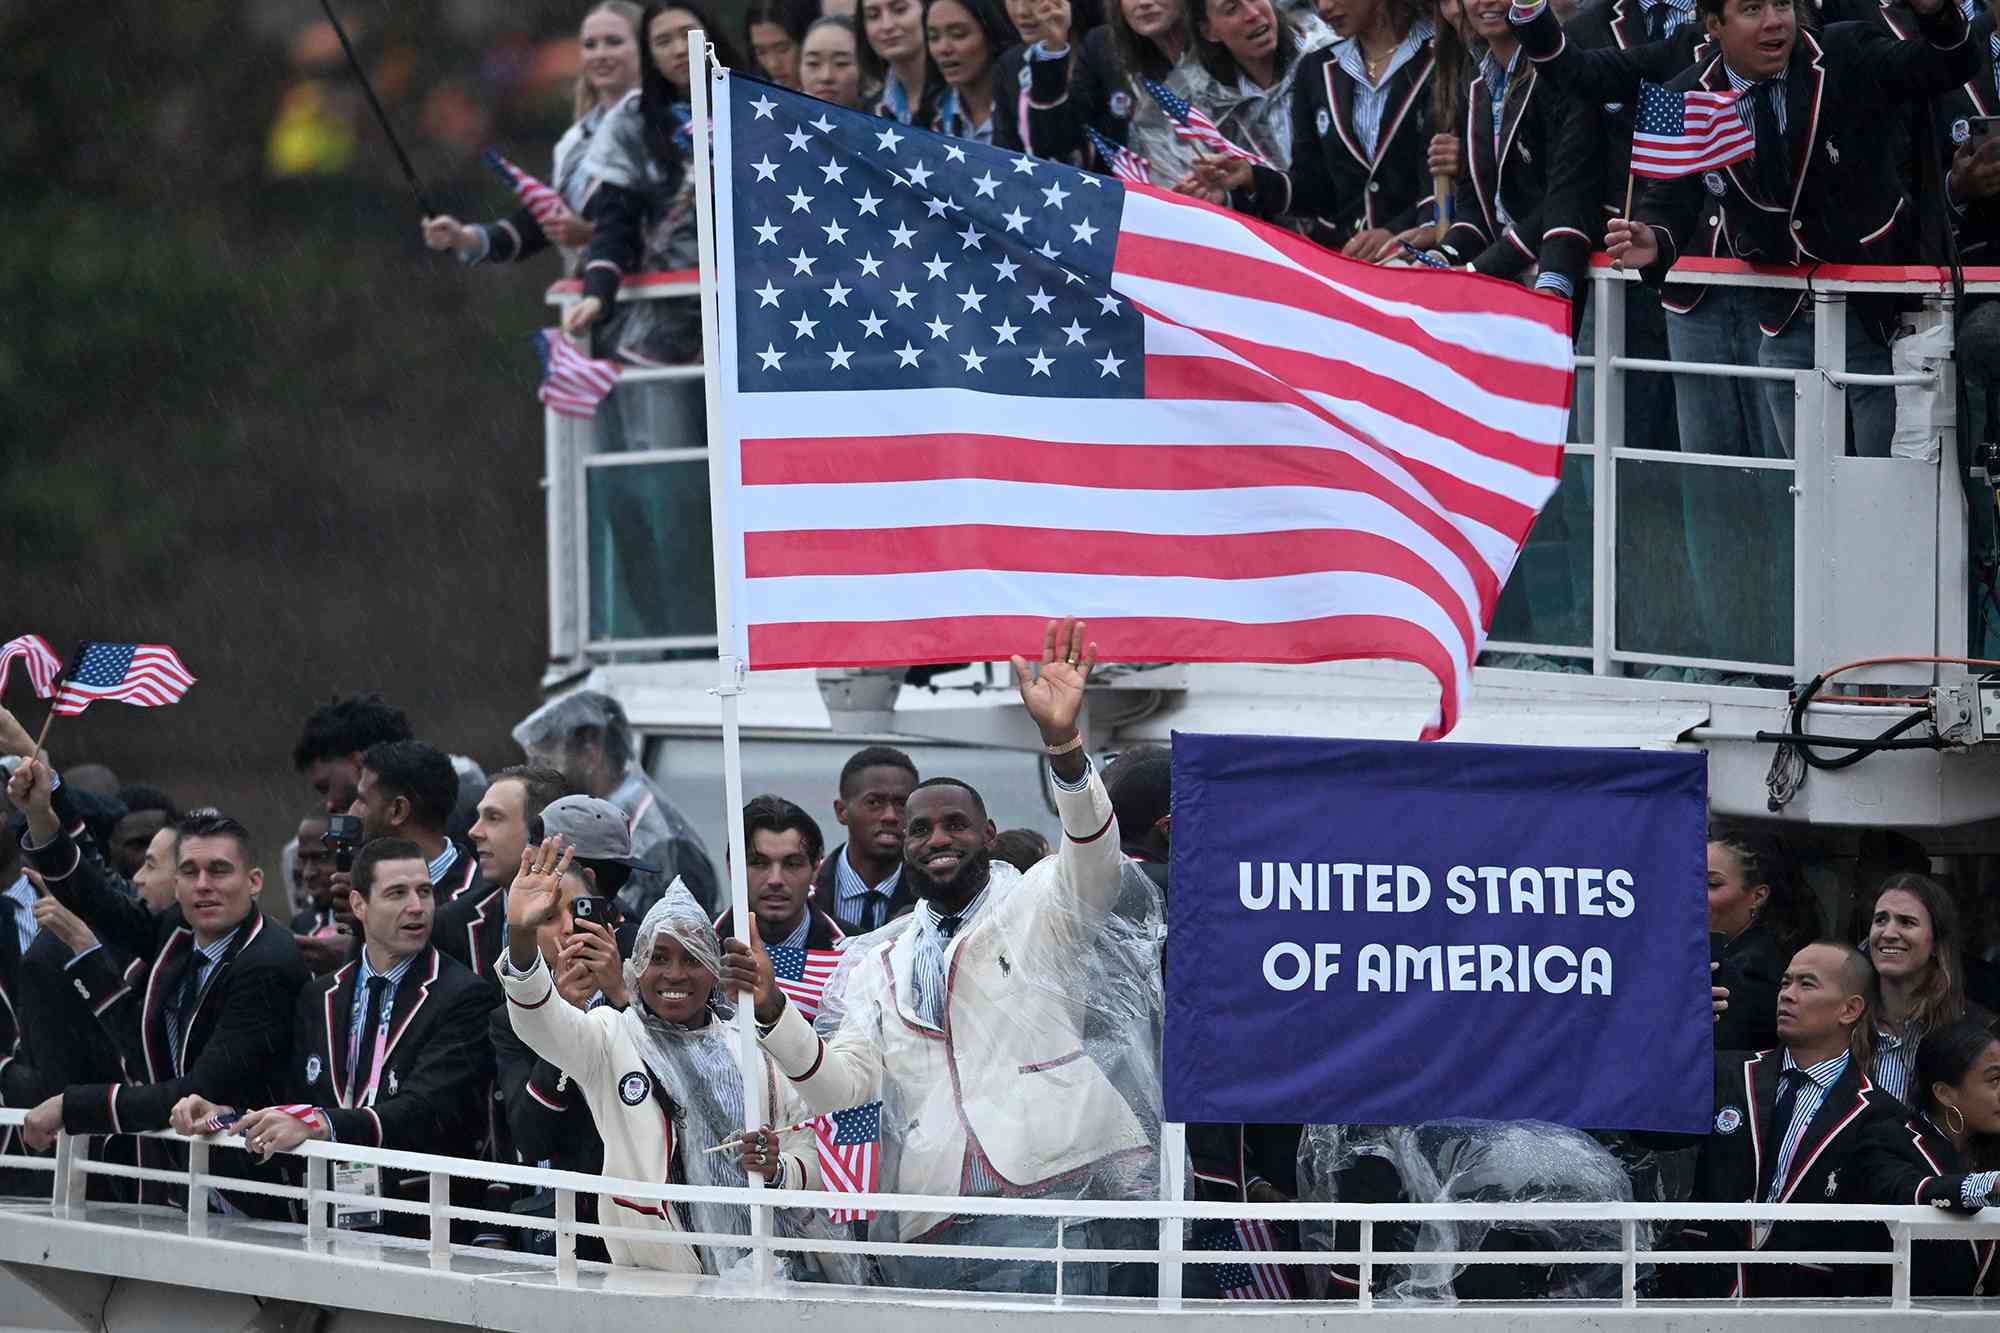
column 927, row 980
column 1820, row 1079
column 1743, row 87
column 1896, row 1060
column 853, row 898
column 1371, row 99
column 1678, row 12
column 446, row 859
column 212, row 954
column 358, row 1011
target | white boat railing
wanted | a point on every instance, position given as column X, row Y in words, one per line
column 71, row 1169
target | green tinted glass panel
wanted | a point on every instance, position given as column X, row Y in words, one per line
column 1548, row 599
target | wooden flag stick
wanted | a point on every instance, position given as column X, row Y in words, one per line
column 727, row 1144
column 1631, row 177
column 47, row 722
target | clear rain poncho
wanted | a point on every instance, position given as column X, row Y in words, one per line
column 662, row 837
column 1051, row 1044
column 697, row 1068
column 1451, row 1161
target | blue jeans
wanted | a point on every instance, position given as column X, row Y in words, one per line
column 1871, row 411
column 1737, row 524
column 1726, row 416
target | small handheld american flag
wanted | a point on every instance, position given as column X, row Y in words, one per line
column 542, row 202
column 1678, row 134
column 1125, row 164
column 1190, row 122
column 1247, row 1281
column 146, row 674
column 37, row 658
column 802, row 975
column 850, row 1155
column 572, row 383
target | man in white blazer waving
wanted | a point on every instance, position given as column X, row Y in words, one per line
column 966, row 1019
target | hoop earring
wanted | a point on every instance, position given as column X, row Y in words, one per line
column 1951, row 1114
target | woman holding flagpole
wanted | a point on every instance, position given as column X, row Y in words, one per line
column 609, row 44
column 662, row 1080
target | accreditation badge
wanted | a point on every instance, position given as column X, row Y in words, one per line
column 356, row 1178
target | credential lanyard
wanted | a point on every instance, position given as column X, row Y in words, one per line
column 367, row 1094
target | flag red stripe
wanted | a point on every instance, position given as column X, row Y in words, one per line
column 1040, row 550
column 1156, row 639
column 1209, row 378
column 1145, row 467
column 1260, row 279
column 1308, row 371
column 1408, row 286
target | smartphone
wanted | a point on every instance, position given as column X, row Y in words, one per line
column 591, row 909
column 343, row 839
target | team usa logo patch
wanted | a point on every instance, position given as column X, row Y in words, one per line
column 1323, row 121
column 312, row 1069
column 1728, row 1120
column 634, row 1088
column 1961, row 130
column 1713, row 181
column 1121, row 104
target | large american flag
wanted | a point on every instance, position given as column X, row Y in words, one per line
column 1248, row 1280
column 36, row 658
column 850, row 1155
column 147, row 674
column 1678, row 134
column 966, row 390
column 802, row 975
column 543, row 203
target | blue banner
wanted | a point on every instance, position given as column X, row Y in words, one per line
column 1364, row 932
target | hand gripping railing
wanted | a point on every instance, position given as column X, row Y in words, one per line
column 71, row 1169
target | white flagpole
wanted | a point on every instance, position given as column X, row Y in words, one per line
column 730, row 668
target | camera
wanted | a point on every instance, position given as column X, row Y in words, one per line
column 343, row 839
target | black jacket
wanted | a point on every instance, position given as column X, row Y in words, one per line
column 1948, row 1267
column 1849, row 203
column 1857, row 1149
column 1331, row 179
column 1979, row 223
column 1067, row 99
column 472, row 929
column 826, row 893
column 238, row 1043
column 1543, row 175
column 430, row 1096
column 77, row 1022
column 1752, row 966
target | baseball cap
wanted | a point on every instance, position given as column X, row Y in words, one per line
column 596, row 829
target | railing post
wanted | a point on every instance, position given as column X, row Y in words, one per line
column 1607, row 430
column 1819, row 434
column 197, row 1192
column 565, row 1237
column 1953, row 539
column 440, row 1201
column 1899, row 1289
column 62, row 1190
column 1060, row 1230
column 316, row 1179
column 1173, row 1189
column 1364, row 1273
column 1628, row 1237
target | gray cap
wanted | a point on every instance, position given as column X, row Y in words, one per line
column 597, row 830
